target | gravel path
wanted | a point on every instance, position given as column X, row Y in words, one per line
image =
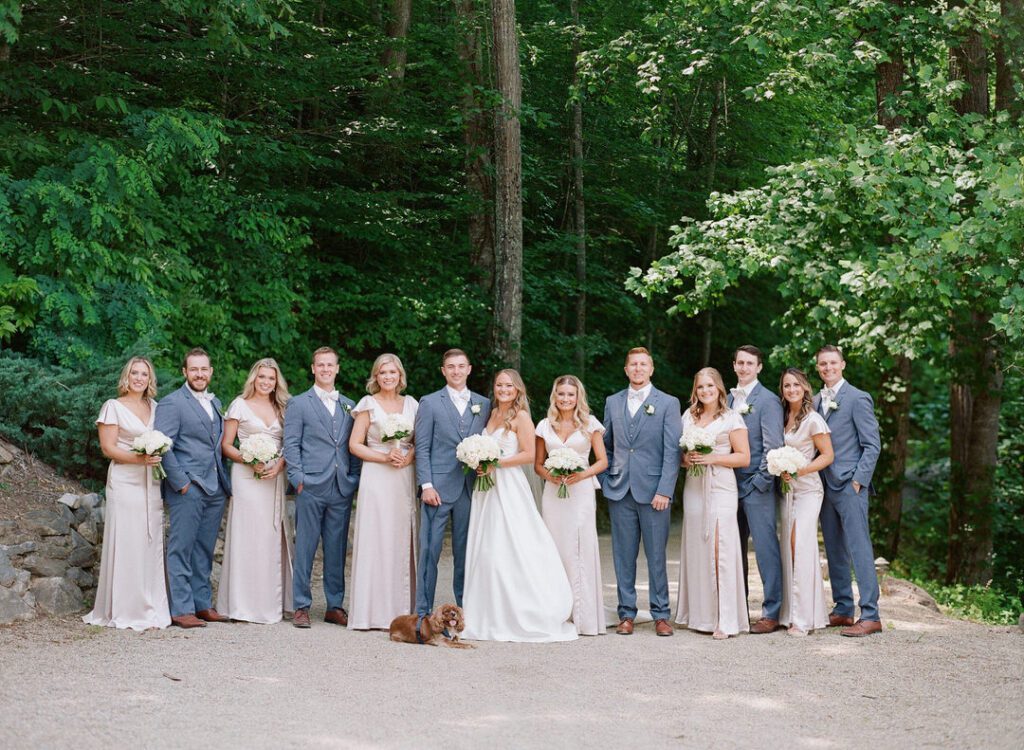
column 928, row 681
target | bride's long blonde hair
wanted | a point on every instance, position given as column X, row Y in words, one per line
column 521, row 402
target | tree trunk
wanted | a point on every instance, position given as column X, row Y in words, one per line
column 895, row 407
column 975, row 400
column 1010, row 57
column 394, row 58
column 892, row 464
column 975, row 394
column 476, row 140
column 508, row 287
column 579, row 208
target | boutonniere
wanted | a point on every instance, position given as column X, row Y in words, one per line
column 474, row 408
column 649, row 410
column 831, row 405
column 347, row 408
column 747, row 409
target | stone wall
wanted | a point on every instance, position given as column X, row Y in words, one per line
column 50, row 559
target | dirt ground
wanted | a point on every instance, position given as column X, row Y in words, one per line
column 927, row 681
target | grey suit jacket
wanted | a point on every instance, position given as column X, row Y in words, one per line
column 439, row 430
column 643, row 455
column 765, row 424
column 317, row 457
column 195, row 455
column 855, row 438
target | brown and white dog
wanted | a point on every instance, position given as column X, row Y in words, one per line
column 431, row 630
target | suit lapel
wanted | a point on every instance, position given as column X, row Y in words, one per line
column 321, row 411
column 200, row 412
column 450, row 410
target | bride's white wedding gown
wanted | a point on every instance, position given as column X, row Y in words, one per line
column 516, row 587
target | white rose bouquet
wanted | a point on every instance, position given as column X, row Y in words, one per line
column 785, row 460
column 394, row 427
column 258, row 448
column 153, row 443
column 562, row 462
column 479, row 451
column 697, row 439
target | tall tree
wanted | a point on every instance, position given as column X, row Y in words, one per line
column 396, row 54
column 579, row 206
column 508, row 286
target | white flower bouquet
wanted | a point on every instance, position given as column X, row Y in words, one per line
column 562, row 462
column 258, row 448
column 476, row 452
column 394, row 427
column 785, row 460
column 697, row 439
column 153, row 443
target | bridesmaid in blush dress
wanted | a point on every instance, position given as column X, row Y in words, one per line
column 384, row 555
column 256, row 576
column 132, row 589
column 572, row 520
column 803, row 590
column 711, row 591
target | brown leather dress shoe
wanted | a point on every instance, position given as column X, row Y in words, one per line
column 187, row 621
column 839, row 621
column 661, row 627
column 862, row 628
column 625, row 626
column 336, row 617
column 212, row 615
column 301, row 618
column 764, row 625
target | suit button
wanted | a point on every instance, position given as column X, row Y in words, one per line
column 630, row 450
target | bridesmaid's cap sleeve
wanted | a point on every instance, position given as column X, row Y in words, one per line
column 366, row 403
column 594, row 425
column 108, row 413
column 235, row 410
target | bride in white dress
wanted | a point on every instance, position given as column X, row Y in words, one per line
column 516, row 587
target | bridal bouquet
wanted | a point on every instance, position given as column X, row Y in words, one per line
column 562, row 462
column 697, row 439
column 785, row 460
column 153, row 443
column 258, row 448
column 479, row 451
column 394, row 427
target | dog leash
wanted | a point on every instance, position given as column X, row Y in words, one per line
column 419, row 624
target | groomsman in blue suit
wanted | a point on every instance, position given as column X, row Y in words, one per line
column 642, row 430
column 317, row 425
column 762, row 413
column 443, row 420
column 195, row 490
column 850, row 415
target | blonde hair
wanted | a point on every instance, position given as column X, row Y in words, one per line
column 581, row 414
column 521, row 403
column 279, row 396
column 722, row 405
column 372, row 386
column 639, row 350
column 806, row 403
column 123, row 384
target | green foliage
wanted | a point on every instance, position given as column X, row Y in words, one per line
column 980, row 603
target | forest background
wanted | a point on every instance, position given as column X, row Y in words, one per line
column 545, row 184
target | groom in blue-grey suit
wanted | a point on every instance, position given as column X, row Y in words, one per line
column 443, row 420
column 850, row 415
column 762, row 414
column 317, row 425
column 195, row 490
column 642, row 430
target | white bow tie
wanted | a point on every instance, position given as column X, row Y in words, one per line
column 636, row 396
column 332, row 396
column 204, row 396
column 738, row 393
column 828, row 394
column 462, row 396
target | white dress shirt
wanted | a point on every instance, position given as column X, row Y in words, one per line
column 459, row 398
column 329, row 399
column 205, row 400
column 741, row 393
column 635, row 398
column 825, row 397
